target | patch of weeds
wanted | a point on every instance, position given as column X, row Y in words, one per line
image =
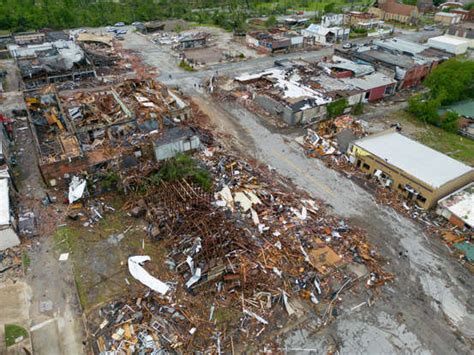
column 81, row 291
column 64, row 239
column 181, row 167
column 225, row 316
column 185, row 65
column 358, row 109
column 13, row 332
column 25, row 261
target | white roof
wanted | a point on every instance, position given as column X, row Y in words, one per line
column 369, row 82
column 401, row 45
column 4, row 203
column 461, row 204
column 290, row 86
column 425, row 164
column 448, row 39
column 447, row 14
column 321, row 30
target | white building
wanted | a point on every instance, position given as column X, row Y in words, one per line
column 330, row 20
column 8, row 236
column 449, row 44
column 326, row 35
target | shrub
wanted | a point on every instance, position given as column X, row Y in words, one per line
column 336, row 108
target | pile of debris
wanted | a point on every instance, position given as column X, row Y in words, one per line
column 141, row 325
column 11, row 263
column 243, row 255
column 331, row 138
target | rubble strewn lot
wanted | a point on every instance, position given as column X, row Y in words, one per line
column 201, row 46
column 174, row 220
column 238, row 257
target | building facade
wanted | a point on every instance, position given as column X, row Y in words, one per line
column 417, row 173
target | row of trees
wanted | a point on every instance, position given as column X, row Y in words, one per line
column 16, row 15
column 451, row 82
column 22, row 15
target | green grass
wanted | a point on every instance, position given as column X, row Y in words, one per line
column 65, row 239
column 25, row 260
column 13, row 332
column 454, row 145
column 185, row 65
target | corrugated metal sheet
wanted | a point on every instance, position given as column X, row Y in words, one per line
column 169, row 150
column 4, row 202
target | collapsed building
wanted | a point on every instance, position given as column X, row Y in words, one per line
column 193, row 40
column 8, row 235
column 275, row 41
column 407, row 62
column 99, row 49
column 299, row 92
column 80, row 131
column 50, row 62
column 326, row 35
column 458, row 207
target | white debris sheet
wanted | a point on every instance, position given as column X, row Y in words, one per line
column 139, row 273
column 76, row 189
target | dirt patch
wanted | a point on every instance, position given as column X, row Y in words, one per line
column 99, row 254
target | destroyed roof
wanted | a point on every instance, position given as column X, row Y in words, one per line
column 67, row 52
column 289, row 84
column 322, row 30
column 461, row 204
column 175, row 134
column 371, row 81
column 400, row 45
column 90, row 37
column 345, row 64
column 393, row 7
column 4, row 202
column 446, row 14
column 399, row 59
column 416, row 159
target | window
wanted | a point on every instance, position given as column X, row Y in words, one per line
column 421, row 198
column 389, row 90
column 366, row 166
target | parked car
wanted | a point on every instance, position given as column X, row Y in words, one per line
column 429, row 28
column 347, row 45
column 119, row 24
column 136, row 23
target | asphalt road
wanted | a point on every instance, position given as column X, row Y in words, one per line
column 428, row 309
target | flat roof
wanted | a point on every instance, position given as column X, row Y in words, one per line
column 448, row 39
column 371, row 81
column 401, row 60
column 397, row 44
column 174, row 134
column 463, row 108
column 461, row 204
column 4, row 202
column 423, row 163
column 446, row 14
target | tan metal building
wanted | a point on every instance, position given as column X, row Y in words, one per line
column 417, row 172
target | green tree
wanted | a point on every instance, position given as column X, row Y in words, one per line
column 328, row 8
column 271, row 21
column 452, row 81
column 450, row 122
